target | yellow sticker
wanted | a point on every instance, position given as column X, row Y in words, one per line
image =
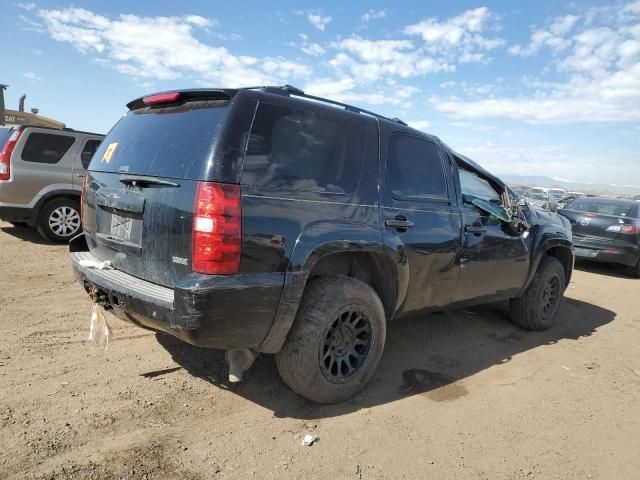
column 108, row 153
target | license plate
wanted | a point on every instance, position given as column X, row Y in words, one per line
column 121, row 227
column 585, row 252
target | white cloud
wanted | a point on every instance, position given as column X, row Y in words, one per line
column 552, row 37
column 26, row 6
column 163, row 48
column 309, row 48
column 373, row 15
column 597, row 70
column 419, row 124
column 32, row 76
column 319, row 21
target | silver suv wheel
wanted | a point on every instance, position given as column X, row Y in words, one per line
column 64, row 221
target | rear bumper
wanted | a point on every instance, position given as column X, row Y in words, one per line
column 230, row 311
column 15, row 214
column 611, row 252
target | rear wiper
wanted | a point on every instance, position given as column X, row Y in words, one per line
column 140, row 180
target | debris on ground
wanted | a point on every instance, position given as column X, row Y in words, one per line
column 309, row 440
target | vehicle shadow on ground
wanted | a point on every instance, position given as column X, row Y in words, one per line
column 25, row 233
column 609, row 269
column 429, row 356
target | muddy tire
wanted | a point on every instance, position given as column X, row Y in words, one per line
column 336, row 341
column 537, row 308
column 59, row 220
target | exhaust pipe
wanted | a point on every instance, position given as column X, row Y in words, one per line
column 239, row 362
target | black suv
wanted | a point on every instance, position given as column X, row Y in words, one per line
column 268, row 220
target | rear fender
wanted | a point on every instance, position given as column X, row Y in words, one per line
column 317, row 241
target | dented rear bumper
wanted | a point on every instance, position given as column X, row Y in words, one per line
column 217, row 311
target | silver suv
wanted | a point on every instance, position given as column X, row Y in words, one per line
column 41, row 175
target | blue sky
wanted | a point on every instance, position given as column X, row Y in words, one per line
column 544, row 88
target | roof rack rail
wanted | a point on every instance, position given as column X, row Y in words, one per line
column 291, row 90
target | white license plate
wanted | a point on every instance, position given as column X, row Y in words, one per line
column 585, row 252
column 121, row 227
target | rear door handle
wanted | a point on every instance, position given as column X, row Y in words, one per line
column 399, row 222
column 475, row 229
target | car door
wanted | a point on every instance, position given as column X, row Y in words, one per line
column 82, row 160
column 420, row 218
column 494, row 262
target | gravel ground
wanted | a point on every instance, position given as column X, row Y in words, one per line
column 458, row 395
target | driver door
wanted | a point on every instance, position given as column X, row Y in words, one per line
column 494, row 263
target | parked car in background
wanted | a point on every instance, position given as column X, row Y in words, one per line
column 267, row 220
column 606, row 230
column 41, row 174
column 557, row 192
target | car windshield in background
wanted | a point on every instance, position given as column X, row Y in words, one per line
column 165, row 142
column 604, row 207
column 5, row 133
column 537, row 196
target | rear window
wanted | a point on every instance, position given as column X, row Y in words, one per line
column 295, row 149
column 5, row 133
column 618, row 209
column 46, row 147
column 171, row 142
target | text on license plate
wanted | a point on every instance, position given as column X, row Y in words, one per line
column 121, row 227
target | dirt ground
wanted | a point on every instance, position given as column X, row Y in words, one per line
column 458, row 395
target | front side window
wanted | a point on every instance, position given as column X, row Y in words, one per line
column 479, row 193
column 299, row 150
column 414, row 168
column 46, row 148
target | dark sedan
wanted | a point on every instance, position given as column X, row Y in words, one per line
column 606, row 230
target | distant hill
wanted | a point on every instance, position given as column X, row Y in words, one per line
column 595, row 188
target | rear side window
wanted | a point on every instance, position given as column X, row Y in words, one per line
column 88, row 151
column 174, row 142
column 295, row 149
column 414, row 168
column 46, row 148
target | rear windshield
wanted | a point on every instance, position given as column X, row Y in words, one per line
column 5, row 133
column 171, row 142
column 604, row 207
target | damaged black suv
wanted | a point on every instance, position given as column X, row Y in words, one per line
column 268, row 220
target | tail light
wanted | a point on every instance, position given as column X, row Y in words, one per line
column 217, row 234
column 82, row 197
column 5, row 154
column 626, row 229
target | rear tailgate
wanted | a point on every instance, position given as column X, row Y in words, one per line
column 141, row 187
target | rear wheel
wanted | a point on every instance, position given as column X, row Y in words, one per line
column 537, row 308
column 336, row 341
column 635, row 271
column 59, row 220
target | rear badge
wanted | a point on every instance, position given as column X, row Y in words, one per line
column 180, row 260
column 108, row 153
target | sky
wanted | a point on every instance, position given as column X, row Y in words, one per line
column 524, row 88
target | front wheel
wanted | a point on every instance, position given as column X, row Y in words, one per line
column 336, row 341
column 537, row 308
column 59, row 220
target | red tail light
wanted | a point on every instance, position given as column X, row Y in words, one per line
column 5, row 154
column 630, row 229
column 82, row 197
column 217, row 234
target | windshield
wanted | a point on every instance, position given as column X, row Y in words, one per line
column 171, row 142
column 537, row 196
column 5, row 133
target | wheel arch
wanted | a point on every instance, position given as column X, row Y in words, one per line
column 46, row 198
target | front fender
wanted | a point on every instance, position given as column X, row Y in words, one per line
column 545, row 238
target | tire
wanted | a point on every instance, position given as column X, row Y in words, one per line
column 343, row 317
column 59, row 220
column 537, row 308
column 635, row 271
